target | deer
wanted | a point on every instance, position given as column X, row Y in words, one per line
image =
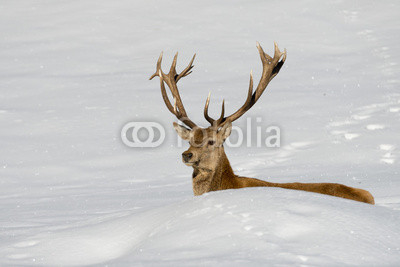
column 211, row 168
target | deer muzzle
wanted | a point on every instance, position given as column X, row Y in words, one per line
column 186, row 156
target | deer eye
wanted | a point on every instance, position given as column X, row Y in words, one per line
column 211, row 142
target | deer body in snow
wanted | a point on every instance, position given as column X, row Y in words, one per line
column 211, row 168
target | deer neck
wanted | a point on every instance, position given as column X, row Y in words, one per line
column 206, row 180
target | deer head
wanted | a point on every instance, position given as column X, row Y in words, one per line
column 206, row 144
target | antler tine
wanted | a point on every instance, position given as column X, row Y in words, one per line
column 172, row 70
column 264, row 57
column 211, row 120
column 250, row 91
column 279, row 53
column 158, row 69
column 171, row 79
column 271, row 67
column 208, row 118
column 221, row 118
column 187, row 70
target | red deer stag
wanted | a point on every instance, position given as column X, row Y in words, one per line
column 211, row 168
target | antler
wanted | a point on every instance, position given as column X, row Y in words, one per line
column 271, row 67
column 171, row 79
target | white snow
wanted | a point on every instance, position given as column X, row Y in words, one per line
column 73, row 73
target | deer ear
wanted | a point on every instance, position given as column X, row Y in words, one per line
column 182, row 131
column 225, row 131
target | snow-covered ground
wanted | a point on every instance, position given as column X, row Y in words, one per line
column 73, row 73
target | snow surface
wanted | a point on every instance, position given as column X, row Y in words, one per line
column 74, row 72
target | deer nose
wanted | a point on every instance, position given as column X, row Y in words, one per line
column 186, row 156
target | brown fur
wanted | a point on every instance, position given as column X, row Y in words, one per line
column 212, row 170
